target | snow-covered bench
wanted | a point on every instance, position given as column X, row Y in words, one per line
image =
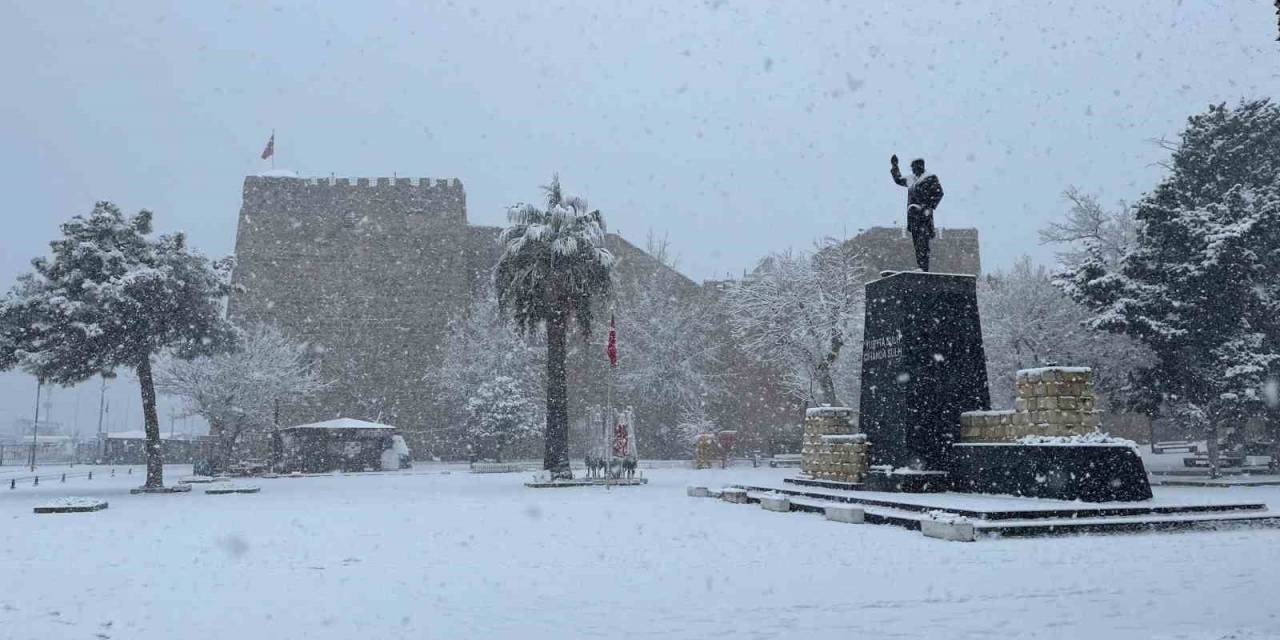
column 1175, row 445
column 497, row 467
column 785, row 460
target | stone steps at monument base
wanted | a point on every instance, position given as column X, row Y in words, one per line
column 1005, row 507
column 1035, row 522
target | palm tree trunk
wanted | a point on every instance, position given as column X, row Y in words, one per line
column 155, row 464
column 556, row 456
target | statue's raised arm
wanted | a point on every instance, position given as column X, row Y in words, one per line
column 893, row 171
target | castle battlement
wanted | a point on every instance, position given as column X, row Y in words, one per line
column 955, row 250
column 374, row 182
column 891, row 233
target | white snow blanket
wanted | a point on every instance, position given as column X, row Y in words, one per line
column 426, row 555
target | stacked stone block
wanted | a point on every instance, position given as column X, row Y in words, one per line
column 1051, row 401
column 832, row 448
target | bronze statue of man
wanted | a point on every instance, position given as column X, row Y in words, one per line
column 924, row 192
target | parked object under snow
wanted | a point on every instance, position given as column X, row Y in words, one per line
column 71, row 504
column 344, row 444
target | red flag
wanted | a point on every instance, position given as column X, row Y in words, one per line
column 270, row 150
column 619, row 440
column 612, row 349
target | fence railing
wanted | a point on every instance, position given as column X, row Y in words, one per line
column 37, row 478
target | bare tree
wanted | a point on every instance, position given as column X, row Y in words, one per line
column 800, row 310
column 1088, row 226
column 669, row 361
column 238, row 392
column 1028, row 322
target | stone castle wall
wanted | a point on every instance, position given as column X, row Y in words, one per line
column 890, row 249
column 366, row 271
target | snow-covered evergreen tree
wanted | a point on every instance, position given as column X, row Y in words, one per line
column 111, row 295
column 801, row 310
column 238, row 391
column 499, row 415
column 1199, row 286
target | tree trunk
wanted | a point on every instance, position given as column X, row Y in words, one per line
column 213, row 452
column 1211, row 443
column 556, row 456
column 228, row 440
column 825, row 382
column 155, row 464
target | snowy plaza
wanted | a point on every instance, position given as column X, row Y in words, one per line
column 672, row 319
column 437, row 552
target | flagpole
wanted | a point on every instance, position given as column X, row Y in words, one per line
column 273, row 147
column 613, row 419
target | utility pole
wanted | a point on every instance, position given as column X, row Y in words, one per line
column 35, row 425
column 102, row 405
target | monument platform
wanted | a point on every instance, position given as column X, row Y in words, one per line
column 1068, row 471
column 587, row 482
column 1012, row 516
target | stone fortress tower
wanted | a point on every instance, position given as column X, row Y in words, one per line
column 367, row 271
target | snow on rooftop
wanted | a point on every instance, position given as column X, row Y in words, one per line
column 142, row 435
column 342, row 423
column 826, row 410
column 278, row 173
column 1041, row 370
column 889, row 273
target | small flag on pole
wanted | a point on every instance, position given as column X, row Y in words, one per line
column 612, row 349
column 270, row 150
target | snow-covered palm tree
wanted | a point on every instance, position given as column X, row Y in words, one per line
column 554, row 265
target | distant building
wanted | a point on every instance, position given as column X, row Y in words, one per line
column 24, row 427
column 890, row 249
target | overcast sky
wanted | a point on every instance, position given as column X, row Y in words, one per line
column 737, row 128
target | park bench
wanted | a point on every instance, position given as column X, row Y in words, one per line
column 1175, row 445
column 785, row 460
column 1202, row 460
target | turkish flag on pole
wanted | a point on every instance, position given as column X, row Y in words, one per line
column 612, row 349
column 270, row 149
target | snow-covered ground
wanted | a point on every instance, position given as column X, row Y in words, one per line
column 422, row 554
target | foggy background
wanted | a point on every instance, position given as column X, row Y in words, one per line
column 737, row 128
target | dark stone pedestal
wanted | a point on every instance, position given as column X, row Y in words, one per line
column 1092, row 473
column 911, row 482
column 922, row 366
